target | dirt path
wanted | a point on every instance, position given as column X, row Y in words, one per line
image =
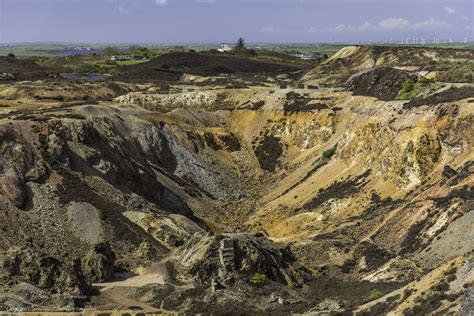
column 118, row 295
column 155, row 274
column 117, row 292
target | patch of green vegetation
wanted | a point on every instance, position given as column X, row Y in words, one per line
column 85, row 69
column 327, row 154
column 411, row 90
column 375, row 294
column 408, row 86
column 258, row 280
column 11, row 55
column 111, row 50
column 407, row 91
column 326, row 157
column 129, row 62
column 322, row 58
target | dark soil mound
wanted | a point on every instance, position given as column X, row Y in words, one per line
column 382, row 83
column 147, row 73
column 13, row 69
column 450, row 95
column 210, row 64
column 170, row 67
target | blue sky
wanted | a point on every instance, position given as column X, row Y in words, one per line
column 212, row 21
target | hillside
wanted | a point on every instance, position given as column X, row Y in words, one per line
column 170, row 67
column 13, row 69
column 352, row 60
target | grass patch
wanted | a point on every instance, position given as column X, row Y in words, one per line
column 374, row 294
column 129, row 62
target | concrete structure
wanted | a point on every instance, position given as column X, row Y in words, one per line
column 120, row 57
column 224, row 48
column 226, row 255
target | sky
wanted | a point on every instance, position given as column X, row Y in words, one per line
column 216, row 21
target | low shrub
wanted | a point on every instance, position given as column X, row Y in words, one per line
column 258, row 279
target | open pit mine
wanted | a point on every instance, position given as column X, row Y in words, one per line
column 240, row 184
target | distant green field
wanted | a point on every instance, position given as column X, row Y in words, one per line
column 129, row 62
column 31, row 50
column 305, row 49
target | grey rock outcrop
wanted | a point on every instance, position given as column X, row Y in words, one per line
column 45, row 272
column 12, row 187
column 235, row 258
column 98, row 264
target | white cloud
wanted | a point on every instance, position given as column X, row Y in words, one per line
column 365, row 26
column 161, row 2
column 123, row 10
column 430, row 24
column 206, row 1
column 390, row 24
column 394, row 24
column 450, row 10
column 269, row 29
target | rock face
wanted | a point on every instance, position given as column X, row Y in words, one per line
column 45, row 272
column 13, row 187
column 467, row 308
column 98, row 263
column 86, row 223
